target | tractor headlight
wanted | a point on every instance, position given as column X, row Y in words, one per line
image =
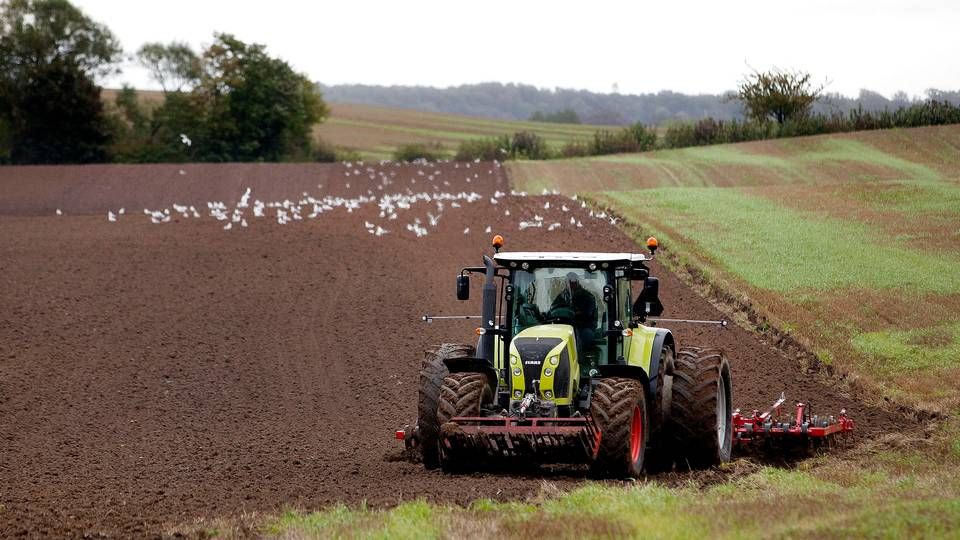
column 513, row 360
column 547, row 372
column 548, row 394
column 554, row 360
column 518, row 394
column 516, row 372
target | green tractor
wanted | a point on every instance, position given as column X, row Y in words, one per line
column 566, row 371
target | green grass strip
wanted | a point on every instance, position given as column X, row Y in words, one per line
column 775, row 248
column 911, row 350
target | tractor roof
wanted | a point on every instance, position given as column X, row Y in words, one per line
column 567, row 258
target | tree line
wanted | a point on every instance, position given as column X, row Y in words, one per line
column 776, row 103
column 523, row 102
column 229, row 102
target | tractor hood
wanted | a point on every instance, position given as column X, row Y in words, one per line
column 540, row 362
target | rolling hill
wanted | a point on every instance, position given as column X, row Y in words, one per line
column 375, row 132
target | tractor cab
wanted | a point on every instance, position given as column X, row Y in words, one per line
column 554, row 320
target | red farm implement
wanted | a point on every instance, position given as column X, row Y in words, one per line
column 774, row 428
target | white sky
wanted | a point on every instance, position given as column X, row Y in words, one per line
column 642, row 46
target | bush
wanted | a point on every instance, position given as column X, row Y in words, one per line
column 414, row 151
column 678, row 135
column 324, row 152
column 529, row 145
column 575, row 149
column 348, row 154
column 612, row 142
column 646, row 137
column 635, row 138
column 492, row 149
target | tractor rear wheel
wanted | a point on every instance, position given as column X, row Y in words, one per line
column 618, row 407
column 462, row 394
column 701, row 420
column 432, row 372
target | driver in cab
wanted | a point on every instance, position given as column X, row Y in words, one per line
column 584, row 307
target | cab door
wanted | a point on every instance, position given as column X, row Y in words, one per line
column 624, row 314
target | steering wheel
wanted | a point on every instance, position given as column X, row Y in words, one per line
column 559, row 315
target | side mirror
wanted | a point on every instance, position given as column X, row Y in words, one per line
column 648, row 302
column 639, row 274
column 463, row 287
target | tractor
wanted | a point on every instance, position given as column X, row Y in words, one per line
column 565, row 370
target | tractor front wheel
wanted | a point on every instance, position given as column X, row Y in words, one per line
column 432, row 373
column 701, row 416
column 462, row 394
column 619, row 409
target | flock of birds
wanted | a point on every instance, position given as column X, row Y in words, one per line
column 412, row 199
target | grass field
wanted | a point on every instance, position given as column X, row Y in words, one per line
column 375, row 132
column 851, row 243
column 896, row 487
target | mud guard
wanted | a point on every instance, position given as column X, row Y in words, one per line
column 623, row 370
column 663, row 338
column 473, row 364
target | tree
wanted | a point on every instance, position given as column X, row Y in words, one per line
column 529, row 145
column 40, row 32
column 59, row 118
column 175, row 66
column 565, row 116
column 50, row 107
column 780, row 95
column 242, row 105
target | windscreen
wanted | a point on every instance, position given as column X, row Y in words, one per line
column 558, row 295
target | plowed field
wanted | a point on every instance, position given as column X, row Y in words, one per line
column 153, row 374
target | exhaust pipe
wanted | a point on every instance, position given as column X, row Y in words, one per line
column 488, row 312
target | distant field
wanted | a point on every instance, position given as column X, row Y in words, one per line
column 376, row 131
column 850, row 242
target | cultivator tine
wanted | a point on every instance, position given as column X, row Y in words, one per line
column 803, row 431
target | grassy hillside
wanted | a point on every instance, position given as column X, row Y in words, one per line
column 851, row 243
column 376, row 131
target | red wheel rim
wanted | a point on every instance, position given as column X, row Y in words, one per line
column 636, row 434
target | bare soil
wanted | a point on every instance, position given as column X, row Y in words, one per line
column 152, row 375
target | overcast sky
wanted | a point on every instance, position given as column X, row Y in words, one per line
column 686, row 46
